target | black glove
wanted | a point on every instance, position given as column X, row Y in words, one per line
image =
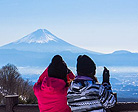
column 106, row 76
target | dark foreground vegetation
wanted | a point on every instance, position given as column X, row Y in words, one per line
column 11, row 83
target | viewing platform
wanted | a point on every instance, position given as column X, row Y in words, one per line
column 13, row 106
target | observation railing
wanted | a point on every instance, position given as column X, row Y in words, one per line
column 13, row 106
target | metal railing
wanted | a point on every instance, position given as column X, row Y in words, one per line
column 13, row 106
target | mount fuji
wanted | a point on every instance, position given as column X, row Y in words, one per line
column 37, row 49
column 43, row 41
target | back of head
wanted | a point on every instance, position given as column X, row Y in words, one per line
column 57, row 68
column 85, row 66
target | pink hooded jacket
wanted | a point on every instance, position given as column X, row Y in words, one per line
column 51, row 93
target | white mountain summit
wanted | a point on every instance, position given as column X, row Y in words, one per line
column 39, row 36
column 43, row 41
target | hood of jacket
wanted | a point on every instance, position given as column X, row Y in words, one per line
column 53, row 85
column 81, row 83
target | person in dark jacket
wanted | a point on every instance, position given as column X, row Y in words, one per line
column 51, row 87
column 85, row 93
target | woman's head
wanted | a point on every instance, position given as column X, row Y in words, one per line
column 85, row 66
column 57, row 68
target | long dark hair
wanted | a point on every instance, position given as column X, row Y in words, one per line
column 58, row 68
column 94, row 78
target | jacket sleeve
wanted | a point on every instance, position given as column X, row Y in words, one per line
column 43, row 75
column 106, row 96
column 37, row 85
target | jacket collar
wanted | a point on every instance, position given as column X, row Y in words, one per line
column 83, row 78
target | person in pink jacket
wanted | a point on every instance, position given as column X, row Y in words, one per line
column 51, row 87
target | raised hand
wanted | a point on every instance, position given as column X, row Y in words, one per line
column 106, row 76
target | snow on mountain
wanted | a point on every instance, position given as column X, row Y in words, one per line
column 43, row 41
column 39, row 36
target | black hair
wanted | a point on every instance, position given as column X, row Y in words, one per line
column 58, row 68
column 86, row 67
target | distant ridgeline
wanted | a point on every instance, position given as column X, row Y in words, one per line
column 37, row 49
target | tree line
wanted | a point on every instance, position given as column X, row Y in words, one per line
column 11, row 83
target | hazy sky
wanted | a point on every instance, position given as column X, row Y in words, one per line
column 98, row 25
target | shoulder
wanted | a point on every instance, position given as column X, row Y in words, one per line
column 82, row 86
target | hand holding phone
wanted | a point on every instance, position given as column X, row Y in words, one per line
column 106, row 75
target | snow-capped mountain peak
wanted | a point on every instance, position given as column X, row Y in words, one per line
column 39, row 36
column 42, row 40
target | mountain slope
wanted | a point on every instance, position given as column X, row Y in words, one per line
column 44, row 41
column 42, row 59
column 121, row 52
column 37, row 49
column 39, row 36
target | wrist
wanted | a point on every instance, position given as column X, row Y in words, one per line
column 105, row 82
